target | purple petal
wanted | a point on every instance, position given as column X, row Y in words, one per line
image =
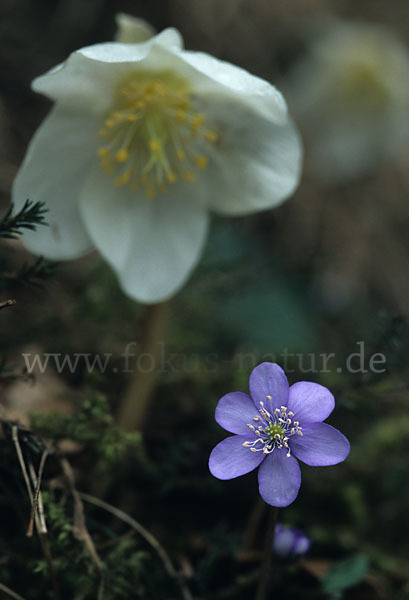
column 268, row 379
column 234, row 411
column 301, row 545
column 283, row 542
column 320, row 445
column 230, row 459
column 310, row 402
column 279, row 479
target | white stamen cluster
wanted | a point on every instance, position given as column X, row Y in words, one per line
column 272, row 430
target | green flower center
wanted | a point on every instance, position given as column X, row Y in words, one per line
column 273, row 430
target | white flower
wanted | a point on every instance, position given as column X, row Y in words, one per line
column 144, row 139
column 351, row 94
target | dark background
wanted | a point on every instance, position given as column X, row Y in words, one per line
column 324, row 271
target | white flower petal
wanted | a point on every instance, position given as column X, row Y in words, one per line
column 53, row 172
column 170, row 38
column 88, row 80
column 132, row 30
column 153, row 244
column 256, row 165
column 350, row 92
column 224, row 78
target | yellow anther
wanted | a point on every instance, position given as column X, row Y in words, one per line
column 183, row 105
column 122, row 155
column 123, row 179
column 153, row 131
column 154, row 145
column 188, row 176
column 102, row 152
column 201, row 161
column 211, row 136
column 198, row 120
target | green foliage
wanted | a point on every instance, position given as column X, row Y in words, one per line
column 30, row 274
column 345, row 574
column 124, row 563
column 31, row 215
column 127, row 571
column 11, row 226
column 92, row 425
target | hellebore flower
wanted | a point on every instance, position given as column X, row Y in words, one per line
column 351, row 95
column 290, row 543
column 144, row 139
column 273, row 427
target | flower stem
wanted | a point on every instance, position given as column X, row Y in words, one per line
column 134, row 408
column 265, row 572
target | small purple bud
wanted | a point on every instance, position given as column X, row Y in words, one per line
column 290, row 543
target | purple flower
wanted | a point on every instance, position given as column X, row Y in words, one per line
column 290, row 543
column 272, row 428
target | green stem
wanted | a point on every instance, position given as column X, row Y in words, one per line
column 265, row 572
column 135, row 404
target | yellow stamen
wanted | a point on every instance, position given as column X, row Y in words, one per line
column 123, row 179
column 211, row 136
column 188, row 176
column 201, row 162
column 197, row 121
column 153, row 124
column 154, row 145
column 122, row 155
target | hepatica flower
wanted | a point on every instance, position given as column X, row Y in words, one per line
column 274, row 426
column 290, row 543
column 350, row 91
column 145, row 138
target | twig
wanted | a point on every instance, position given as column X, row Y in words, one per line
column 80, row 530
column 42, row 534
column 10, row 592
column 7, row 303
column 37, row 500
column 268, row 552
column 148, row 537
column 14, row 436
column 40, row 523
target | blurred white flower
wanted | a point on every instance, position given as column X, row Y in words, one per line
column 144, row 139
column 351, row 95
